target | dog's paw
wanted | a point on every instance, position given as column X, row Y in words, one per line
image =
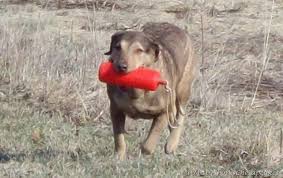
column 170, row 148
column 119, row 156
column 146, row 149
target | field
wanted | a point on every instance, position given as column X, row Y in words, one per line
column 54, row 112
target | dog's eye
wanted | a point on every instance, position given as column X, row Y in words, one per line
column 117, row 46
column 139, row 50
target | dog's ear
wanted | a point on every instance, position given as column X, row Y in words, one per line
column 154, row 45
column 114, row 40
column 157, row 50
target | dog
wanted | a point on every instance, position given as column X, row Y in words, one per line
column 168, row 49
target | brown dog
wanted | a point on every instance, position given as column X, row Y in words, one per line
column 167, row 49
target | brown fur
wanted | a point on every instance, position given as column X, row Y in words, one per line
column 167, row 49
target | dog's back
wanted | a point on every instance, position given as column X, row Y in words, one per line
column 174, row 41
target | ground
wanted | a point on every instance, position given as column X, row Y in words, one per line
column 54, row 111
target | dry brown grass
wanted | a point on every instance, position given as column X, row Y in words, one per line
column 49, row 55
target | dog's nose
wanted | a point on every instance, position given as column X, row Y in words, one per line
column 122, row 67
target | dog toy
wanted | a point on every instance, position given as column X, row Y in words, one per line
column 141, row 78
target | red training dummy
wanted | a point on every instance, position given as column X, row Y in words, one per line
column 141, row 78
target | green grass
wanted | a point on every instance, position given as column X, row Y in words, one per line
column 216, row 142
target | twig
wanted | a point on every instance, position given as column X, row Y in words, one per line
column 59, row 4
column 281, row 140
column 202, row 41
column 82, row 101
column 244, row 166
column 99, row 115
column 265, row 58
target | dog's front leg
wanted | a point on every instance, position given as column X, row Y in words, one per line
column 158, row 124
column 118, row 122
column 175, row 134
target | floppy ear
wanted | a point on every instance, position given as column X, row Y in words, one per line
column 156, row 47
column 157, row 50
column 114, row 39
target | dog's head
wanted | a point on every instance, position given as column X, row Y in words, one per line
column 130, row 50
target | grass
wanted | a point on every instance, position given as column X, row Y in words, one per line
column 54, row 112
column 212, row 142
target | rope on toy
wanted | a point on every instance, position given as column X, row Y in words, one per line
column 172, row 121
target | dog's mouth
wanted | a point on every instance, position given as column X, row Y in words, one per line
column 123, row 88
column 130, row 92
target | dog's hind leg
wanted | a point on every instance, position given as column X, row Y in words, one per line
column 158, row 125
column 118, row 121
